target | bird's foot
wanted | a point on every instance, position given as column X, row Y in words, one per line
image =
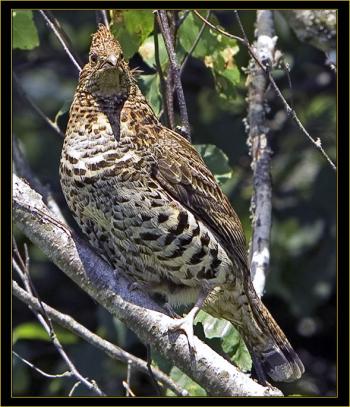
column 185, row 324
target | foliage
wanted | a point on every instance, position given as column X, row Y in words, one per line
column 300, row 290
column 25, row 35
column 35, row 331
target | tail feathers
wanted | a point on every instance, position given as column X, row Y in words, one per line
column 261, row 333
column 276, row 354
column 281, row 363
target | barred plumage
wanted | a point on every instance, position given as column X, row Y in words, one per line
column 149, row 205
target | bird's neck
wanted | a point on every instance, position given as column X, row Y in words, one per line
column 125, row 116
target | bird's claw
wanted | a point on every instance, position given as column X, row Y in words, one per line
column 186, row 325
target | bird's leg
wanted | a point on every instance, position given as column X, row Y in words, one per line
column 170, row 310
column 186, row 323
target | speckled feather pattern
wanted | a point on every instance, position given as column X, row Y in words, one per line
column 149, row 205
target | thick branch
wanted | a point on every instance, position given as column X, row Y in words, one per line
column 134, row 308
column 258, row 142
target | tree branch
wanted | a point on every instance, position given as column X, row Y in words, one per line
column 260, row 152
column 110, row 349
column 48, row 375
column 160, row 73
column 62, row 37
column 101, row 17
column 175, row 71
column 135, row 309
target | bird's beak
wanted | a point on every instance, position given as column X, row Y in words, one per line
column 112, row 60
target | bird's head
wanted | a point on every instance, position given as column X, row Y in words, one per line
column 107, row 73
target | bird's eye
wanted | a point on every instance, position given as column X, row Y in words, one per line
column 93, row 58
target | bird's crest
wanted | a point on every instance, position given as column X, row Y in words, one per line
column 104, row 43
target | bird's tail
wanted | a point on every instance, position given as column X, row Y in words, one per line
column 261, row 333
column 275, row 353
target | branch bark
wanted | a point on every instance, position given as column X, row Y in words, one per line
column 135, row 309
column 175, row 71
column 260, row 152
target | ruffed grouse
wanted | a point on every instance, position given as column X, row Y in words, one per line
column 149, row 205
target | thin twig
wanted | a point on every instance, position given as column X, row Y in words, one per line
column 128, row 379
column 160, row 72
column 150, row 370
column 101, row 17
column 61, row 39
column 165, row 29
column 110, row 349
column 25, row 96
column 48, row 375
column 64, row 36
column 218, row 29
column 70, row 394
column 317, row 143
column 167, row 87
column 196, row 41
column 45, row 321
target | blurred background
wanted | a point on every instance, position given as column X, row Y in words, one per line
column 301, row 285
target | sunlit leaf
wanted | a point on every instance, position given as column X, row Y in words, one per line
column 34, row 331
column 29, row 330
column 131, row 28
column 231, row 341
column 25, row 35
column 147, row 51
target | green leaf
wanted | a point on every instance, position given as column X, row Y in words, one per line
column 216, row 160
column 147, row 51
column 139, row 22
column 217, row 51
column 188, row 33
column 150, row 85
column 29, row 330
column 128, row 42
column 25, row 35
column 231, row 341
column 185, row 382
column 34, row 331
column 131, row 28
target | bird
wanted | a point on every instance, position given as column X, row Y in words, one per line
column 149, row 206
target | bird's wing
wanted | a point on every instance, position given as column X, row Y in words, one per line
column 180, row 170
